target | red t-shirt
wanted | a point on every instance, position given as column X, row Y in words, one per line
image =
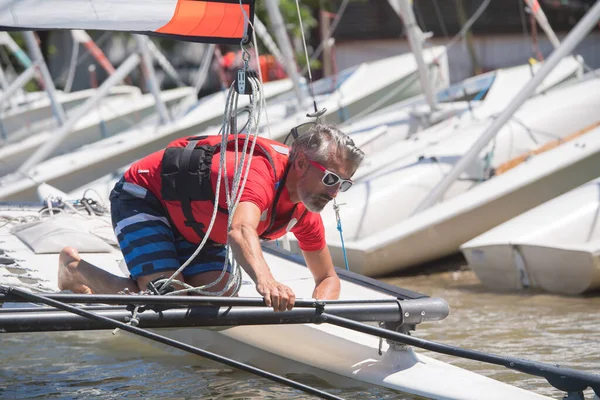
column 260, row 189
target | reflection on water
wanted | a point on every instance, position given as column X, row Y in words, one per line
column 540, row 327
column 75, row 365
column 536, row 326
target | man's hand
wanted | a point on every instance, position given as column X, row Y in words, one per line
column 246, row 248
column 277, row 295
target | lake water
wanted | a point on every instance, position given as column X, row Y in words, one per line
column 537, row 326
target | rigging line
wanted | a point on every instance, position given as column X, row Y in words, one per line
column 236, row 189
column 310, row 78
column 105, row 36
column 264, row 100
column 535, row 45
column 523, row 22
column 334, row 25
column 419, row 15
column 222, row 160
column 232, row 97
column 440, row 18
column 468, row 24
column 174, row 343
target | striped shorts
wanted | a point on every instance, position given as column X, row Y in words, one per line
column 148, row 242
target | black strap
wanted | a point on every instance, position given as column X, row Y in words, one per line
column 184, row 185
column 183, row 189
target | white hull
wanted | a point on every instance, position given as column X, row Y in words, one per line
column 472, row 100
column 380, row 234
column 554, row 247
column 70, row 171
column 312, row 348
column 355, row 90
column 112, row 115
column 33, row 116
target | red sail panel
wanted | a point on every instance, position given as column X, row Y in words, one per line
column 210, row 21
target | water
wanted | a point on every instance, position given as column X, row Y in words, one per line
column 538, row 326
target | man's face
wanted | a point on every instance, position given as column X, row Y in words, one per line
column 312, row 191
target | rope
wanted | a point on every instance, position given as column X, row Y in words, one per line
column 467, row 25
column 103, row 39
column 233, row 195
column 334, row 25
column 336, row 208
column 310, row 78
column 260, row 77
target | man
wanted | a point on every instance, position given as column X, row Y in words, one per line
column 163, row 205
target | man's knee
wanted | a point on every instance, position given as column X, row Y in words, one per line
column 209, row 278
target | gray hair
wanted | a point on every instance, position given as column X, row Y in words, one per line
column 321, row 141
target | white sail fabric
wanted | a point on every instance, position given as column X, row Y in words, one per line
column 117, row 15
column 197, row 20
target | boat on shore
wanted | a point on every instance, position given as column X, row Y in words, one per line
column 384, row 233
column 554, row 247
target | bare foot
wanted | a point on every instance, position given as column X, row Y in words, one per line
column 69, row 277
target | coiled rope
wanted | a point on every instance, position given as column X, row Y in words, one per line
column 240, row 176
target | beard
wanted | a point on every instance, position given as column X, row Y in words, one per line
column 313, row 202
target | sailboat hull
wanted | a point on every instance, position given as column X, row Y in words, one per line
column 382, row 236
column 554, row 247
column 329, row 352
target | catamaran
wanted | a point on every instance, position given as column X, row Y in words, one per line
column 333, row 338
column 351, row 353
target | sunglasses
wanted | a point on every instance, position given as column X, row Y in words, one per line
column 332, row 179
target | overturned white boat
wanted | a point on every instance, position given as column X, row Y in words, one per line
column 36, row 115
column 70, row 171
column 32, row 237
column 471, row 101
column 554, row 247
column 111, row 116
column 79, row 167
column 382, row 235
column 355, row 89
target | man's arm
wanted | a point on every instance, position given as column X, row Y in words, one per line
column 245, row 245
column 327, row 282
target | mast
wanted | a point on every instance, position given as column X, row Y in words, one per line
column 63, row 132
column 416, row 38
column 286, row 47
column 540, row 16
column 152, row 82
column 583, row 27
column 267, row 40
column 38, row 58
